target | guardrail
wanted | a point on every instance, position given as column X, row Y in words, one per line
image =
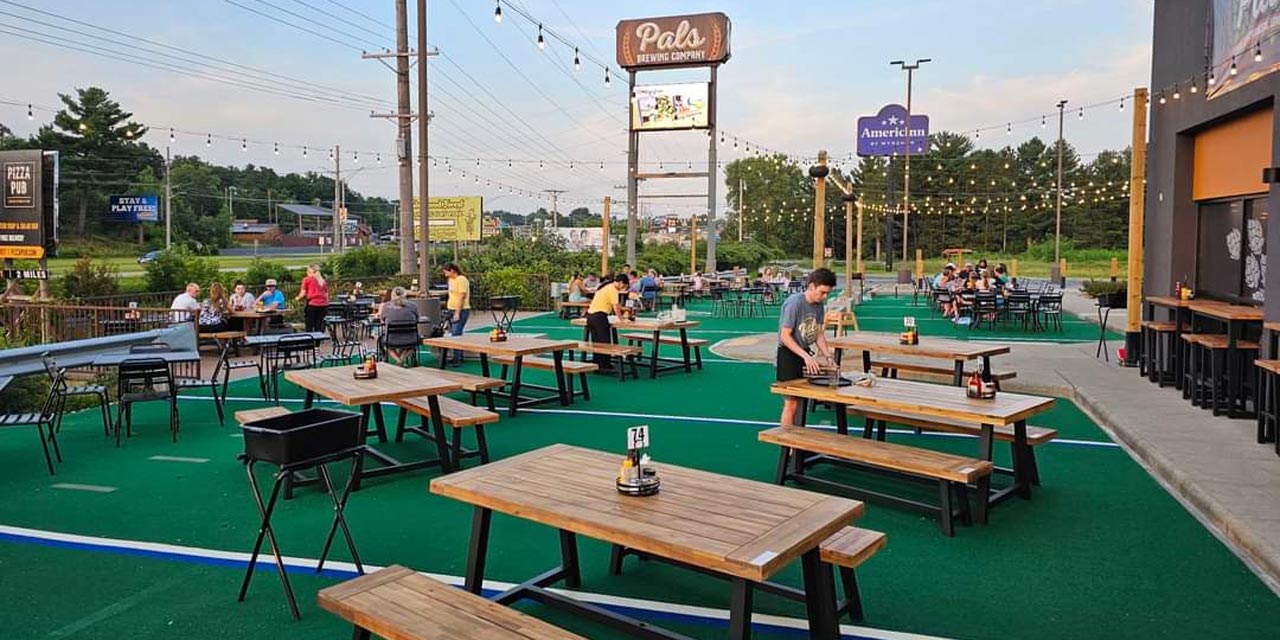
column 45, row 323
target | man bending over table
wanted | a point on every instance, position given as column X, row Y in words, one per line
column 605, row 302
column 799, row 330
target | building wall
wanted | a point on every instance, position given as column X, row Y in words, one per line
column 1181, row 51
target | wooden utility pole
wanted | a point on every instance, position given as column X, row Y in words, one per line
column 337, row 196
column 424, row 254
column 849, row 202
column 819, row 174
column 1137, row 207
column 168, row 201
column 604, row 250
column 693, row 244
column 742, row 206
column 859, row 249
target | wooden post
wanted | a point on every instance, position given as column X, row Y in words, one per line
column 859, row 249
column 848, row 245
column 693, row 244
column 919, row 263
column 1013, row 268
column 604, row 250
column 1062, row 269
column 1137, row 207
column 1115, row 268
column 819, row 175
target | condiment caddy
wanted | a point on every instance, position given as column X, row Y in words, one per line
column 636, row 477
column 367, row 371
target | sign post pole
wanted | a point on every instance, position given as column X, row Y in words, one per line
column 604, row 249
column 1137, row 208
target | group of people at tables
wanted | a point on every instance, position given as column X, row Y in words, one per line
column 972, row 278
column 644, row 287
column 215, row 313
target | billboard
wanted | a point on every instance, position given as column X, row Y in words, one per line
column 1241, row 30
column 22, row 215
column 135, row 208
column 885, row 134
column 450, row 219
column 585, row 239
column 663, row 107
column 673, row 41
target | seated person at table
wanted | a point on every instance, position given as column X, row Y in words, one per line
column 799, row 331
column 605, row 303
column 591, row 283
column 649, row 288
column 213, row 312
column 398, row 309
column 699, row 283
column 187, row 304
column 576, row 293
column 1001, row 277
column 948, row 272
column 240, row 300
column 272, row 299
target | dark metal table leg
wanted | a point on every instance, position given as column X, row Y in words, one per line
column 517, row 369
column 339, row 519
column 819, row 587
column 569, row 559
column 558, row 358
column 476, row 550
column 740, row 610
column 264, row 530
column 684, row 344
column 653, row 358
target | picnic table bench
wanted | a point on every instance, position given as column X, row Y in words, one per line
column 581, row 307
column 569, row 368
column 951, row 473
column 401, row 604
column 455, row 414
column 624, row 354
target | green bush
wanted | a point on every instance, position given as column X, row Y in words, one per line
column 87, row 278
column 1095, row 288
column 510, row 281
column 667, row 258
column 260, row 270
column 173, row 269
column 363, row 262
column 749, row 255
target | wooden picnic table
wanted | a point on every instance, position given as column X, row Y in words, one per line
column 957, row 351
column 517, row 348
column 258, row 318
column 393, row 383
column 740, row 529
column 931, row 401
column 656, row 327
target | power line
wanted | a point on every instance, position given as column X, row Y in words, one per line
column 340, row 19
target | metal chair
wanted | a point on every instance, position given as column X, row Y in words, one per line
column 984, row 309
column 291, row 353
column 143, row 380
column 1018, row 304
column 401, row 336
column 228, row 365
column 58, row 383
column 197, row 381
column 47, row 417
column 1050, row 309
column 348, row 345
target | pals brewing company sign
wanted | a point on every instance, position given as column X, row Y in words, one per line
column 674, row 41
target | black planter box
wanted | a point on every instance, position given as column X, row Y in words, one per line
column 1118, row 300
column 307, row 434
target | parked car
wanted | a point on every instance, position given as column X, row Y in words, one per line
column 149, row 256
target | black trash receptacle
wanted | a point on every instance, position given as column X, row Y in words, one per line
column 303, row 435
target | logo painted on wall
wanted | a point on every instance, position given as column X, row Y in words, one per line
column 885, row 134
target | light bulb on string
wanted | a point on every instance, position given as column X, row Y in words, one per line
column 602, row 166
column 1177, row 94
column 497, row 12
column 1008, row 128
column 208, row 140
column 1043, row 123
column 1122, row 104
column 1082, row 113
column 606, row 76
column 477, row 162
column 378, row 158
column 1234, row 69
column 30, row 115
column 171, row 136
column 542, row 44
column 355, row 157
column 1192, row 87
column 1257, row 52
column 244, row 144
column 275, row 148
column 304, row 152
column 577, row 62
column 1213, row 78
column 330, row 155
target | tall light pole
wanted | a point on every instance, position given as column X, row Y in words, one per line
column 906, row 174
column 1057, row 232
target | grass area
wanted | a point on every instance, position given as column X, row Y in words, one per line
column 129, row 264
column 1101, row 551
column 1027, row 267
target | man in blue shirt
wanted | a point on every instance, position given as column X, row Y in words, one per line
column 272, row 299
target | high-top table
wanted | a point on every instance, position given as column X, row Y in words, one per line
column 517, row 348
column 958, row 352
column 656, row 327
column 393, row 383
column 932, row 401
column 740, row 529
column 1236, row 317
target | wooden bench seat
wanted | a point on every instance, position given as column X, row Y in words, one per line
column 581, row 307
column 470, row 381
column 454, row 413
column 624, row 354
column 845, row 550
column 1153, row 325
column 696, row 344
column 1270, row 366
column 1036, row 436
column 571, row 368
column 949, row 471
column 253, row 415
column 925, row 369
column 1216, row 341
column 398, row 603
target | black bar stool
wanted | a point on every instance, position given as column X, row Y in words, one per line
column 1159, row 353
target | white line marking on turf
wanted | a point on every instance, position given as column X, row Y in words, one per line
column 310, row 563
column 680, row 418
column 95, row 488
column 176, row 459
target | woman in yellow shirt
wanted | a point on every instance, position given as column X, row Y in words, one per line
column 603, row 304
column 458, row 306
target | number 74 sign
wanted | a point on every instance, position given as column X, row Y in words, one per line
column 638, row 437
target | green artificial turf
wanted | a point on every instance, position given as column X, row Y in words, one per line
column 1100, row 552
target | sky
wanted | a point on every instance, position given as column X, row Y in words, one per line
column 799, row 77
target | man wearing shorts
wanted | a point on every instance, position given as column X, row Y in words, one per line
column 799, row 331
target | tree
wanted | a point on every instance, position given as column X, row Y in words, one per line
column 99, row 146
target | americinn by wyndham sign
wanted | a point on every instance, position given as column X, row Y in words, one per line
column 885, row 134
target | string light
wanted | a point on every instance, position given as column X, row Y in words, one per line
column 1043, row 122
column 497, row 12
column 208, row 140
column 606, row 76
column 1162, row 100
column 1213, row 78
column 1177, row 94
column 1193, row 86
column 355, row 157
column 1122, row 104
column 1082, row 113
column 1008, row 128
column 244, row 144
column 30, row 115
column 304, row 152
column 1257, row 52
column 542, row 44
column 1234, row 69
column 577, row 62
column 276, row 148
column 378, row 157
column 171, row 138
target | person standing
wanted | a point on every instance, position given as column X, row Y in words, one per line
column 315, row 293
column 458, row 305
column 606, row 302
column 799, row 331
